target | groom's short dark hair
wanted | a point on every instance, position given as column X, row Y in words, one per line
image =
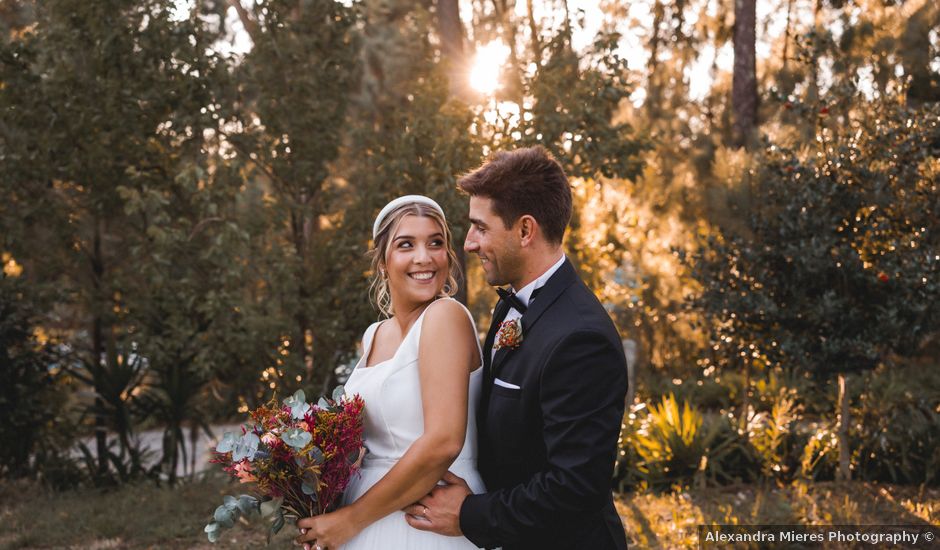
column 524, row 181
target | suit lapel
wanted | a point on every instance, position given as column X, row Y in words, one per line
column 556, row 284
column 498, row 359
column 498, row 313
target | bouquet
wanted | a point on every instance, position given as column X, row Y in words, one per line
column 299, row 456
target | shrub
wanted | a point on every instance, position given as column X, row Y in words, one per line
column 897, row 435
column 774, row 435
column 676, row 445
column 31, row 394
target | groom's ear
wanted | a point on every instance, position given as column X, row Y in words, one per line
column 528, row 228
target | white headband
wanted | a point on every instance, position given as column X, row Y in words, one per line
column 407, row 199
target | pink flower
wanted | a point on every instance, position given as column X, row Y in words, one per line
column 243, row 472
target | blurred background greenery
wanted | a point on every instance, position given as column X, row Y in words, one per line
column 187, row 187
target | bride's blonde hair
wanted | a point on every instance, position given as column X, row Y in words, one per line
column 379, row 291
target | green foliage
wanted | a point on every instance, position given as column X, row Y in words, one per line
column 198, row 222
column 839, row 262
column 118, row 380
column 181, row 313
column 571, row 106
column 574, row 111
column 819, row 459
column 678, row 445
column 288, row 100
column 234, row 509
column 32, row 396
column 572, row 103
column 776, row 437
column 787, row 432
column 88, row 127
column 896, row 437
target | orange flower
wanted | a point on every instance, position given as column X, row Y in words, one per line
column 509, row 334
column 243, row 472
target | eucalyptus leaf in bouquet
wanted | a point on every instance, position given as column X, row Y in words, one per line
column 338, row 393
column 298, row 457
column 296, row 438
column 298, row 405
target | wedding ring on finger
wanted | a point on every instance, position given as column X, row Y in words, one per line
column 426, row 510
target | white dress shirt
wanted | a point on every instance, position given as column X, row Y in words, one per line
column 525, row 293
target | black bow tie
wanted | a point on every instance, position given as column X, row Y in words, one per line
column 511, row 299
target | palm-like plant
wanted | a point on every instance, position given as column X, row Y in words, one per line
column 676, row 444
column 173, row 400
column 118, row 380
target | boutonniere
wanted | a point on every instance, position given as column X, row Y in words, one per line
column 509, row 334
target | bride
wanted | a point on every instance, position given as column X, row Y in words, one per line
column 419, row 377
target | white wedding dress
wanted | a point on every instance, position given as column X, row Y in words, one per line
column 393, row 421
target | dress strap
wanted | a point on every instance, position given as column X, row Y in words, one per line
column 367, row 337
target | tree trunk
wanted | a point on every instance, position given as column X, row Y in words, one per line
column 844, row 473
column 536, row 41
column 745, row 401
column 512, row 73
column 813, row 91
column 653, row 99
column 786, row 34
column 450, row 30
column 301, row 227
column 97, row 350
column 744, row 80
column 251, row 26
column 915, row 54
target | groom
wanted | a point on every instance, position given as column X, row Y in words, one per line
column 553, row 399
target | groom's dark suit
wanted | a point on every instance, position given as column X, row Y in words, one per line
column 547, row 449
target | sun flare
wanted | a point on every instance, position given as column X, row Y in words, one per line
column 484, row 76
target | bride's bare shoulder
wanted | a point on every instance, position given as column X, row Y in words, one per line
column 448, row 315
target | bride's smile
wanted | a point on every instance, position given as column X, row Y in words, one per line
column 422, row 275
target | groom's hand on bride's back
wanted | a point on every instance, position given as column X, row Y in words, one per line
column 439, row 510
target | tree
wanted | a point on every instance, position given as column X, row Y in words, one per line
column 915, row 49
column 294, row 87
column 839, row 262
column 451, row 33
column 189, row 256
column 31, row 394
column 292, row 92
column 82, row 117
column 744, row 83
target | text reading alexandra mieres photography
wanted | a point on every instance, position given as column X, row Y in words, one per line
column 818, row 536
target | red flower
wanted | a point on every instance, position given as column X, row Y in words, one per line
column 883, row 277
column 509, row 334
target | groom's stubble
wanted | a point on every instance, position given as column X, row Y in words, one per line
column 496, row 245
